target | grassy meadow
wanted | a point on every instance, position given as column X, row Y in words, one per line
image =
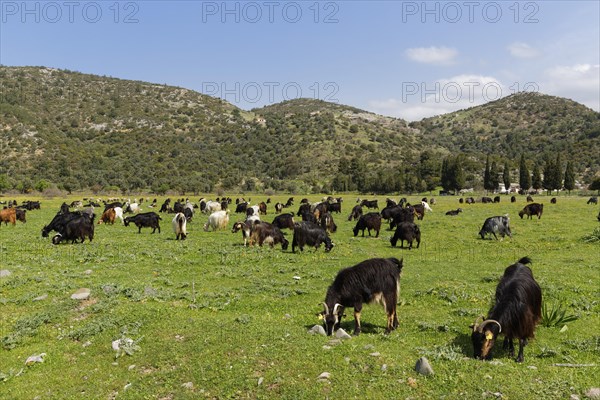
column 211, row 318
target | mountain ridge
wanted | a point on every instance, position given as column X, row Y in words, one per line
column 80, row 131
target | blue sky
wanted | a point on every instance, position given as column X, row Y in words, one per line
column 408, row 59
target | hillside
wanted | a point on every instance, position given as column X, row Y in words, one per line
column 530, row 123
column 81, row 131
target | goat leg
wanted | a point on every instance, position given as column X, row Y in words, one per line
column 357, row 321
column 522, row 343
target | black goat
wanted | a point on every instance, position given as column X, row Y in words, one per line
column 368, row 221
column 516, row 312
column 373, row 280
column 311, row 234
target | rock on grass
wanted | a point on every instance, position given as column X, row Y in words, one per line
column 423, row 367
column 81, row 294
column 317, row 330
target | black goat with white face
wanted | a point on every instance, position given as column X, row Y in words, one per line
column 374, row 280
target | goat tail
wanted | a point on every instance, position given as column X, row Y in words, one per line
column 525, row 260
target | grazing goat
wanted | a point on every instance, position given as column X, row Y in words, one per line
column 454, row 212
column 144, row 220
column 245, row 227
column 532, row 209
column 263, row 232
column 278, row 207
column 356, row 213
column 311, row 234
column 553, row 200
column 180, row 226
column 593, row 200
column 78, row 228
column 368, row 221
column 493, row 225
column 516, row 312
column 284, row 221
column 327, row 222
column 376, row 280
column 408, row 231
column 8, row 215
column 217, row 220
column 108, row 217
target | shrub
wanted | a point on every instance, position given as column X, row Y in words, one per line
column 555, row 316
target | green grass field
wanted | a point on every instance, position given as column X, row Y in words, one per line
column 213, row 318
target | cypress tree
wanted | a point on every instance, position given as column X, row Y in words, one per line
column 536, row 178
column 444, row 175
column 524, row 177
column 569, row 177
column 458, row 174
column 486, row 174
column 558, row 173
column 494, row 178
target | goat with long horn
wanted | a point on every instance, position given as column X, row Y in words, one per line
column 516, row 312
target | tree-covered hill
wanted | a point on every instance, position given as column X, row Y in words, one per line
column 81, row 131
column 531, row 123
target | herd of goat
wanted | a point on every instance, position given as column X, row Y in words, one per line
column 518, row 297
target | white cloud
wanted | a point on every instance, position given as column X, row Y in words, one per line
column 580, row 82
column 522, row 50
column 419, row 100
column 432, row 55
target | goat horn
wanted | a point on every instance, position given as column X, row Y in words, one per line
column 487, row 321
column 476, row 323
column 335, row 308
column 326, row 308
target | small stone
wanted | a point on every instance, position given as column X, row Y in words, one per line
column 36, row 358
column 496, row 362
column 132, row 366
column 81, row 294
column 342, row 334
column 326, row 347
column 531, row 367
column 88, row 272
column 412, row 382
column 347, row 359
column 297, row 278
column 188, row 385
column 335, row 342
column 86, row 344
column 127, row 386
column 497, row 394
column 488, row 377
column 368, row 347
column 324, row 376
column 42, row 297
column 260, row 380
column 423, row 367
column 384, row 367
column 317, row 330
column 574, row 397
column 287, row 316
column 375, row 354
column 593, row 393
column 4, row 273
